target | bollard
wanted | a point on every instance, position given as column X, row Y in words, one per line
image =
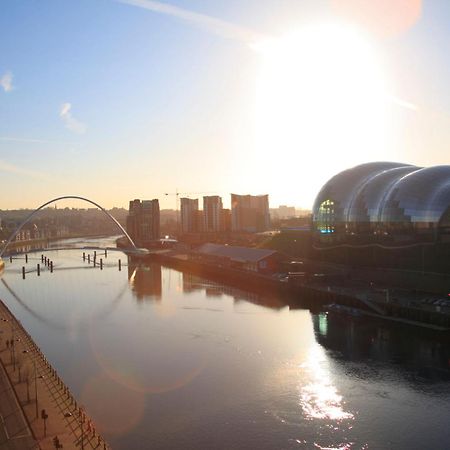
column 120, row 265
column 42, row 258
column 39, row 270
column 51, row 266
column 84, row 256
column 23, row 272
column 101, row 264
column 94, row 260
column 89, row 258
column 10, row 258
column 26, row 258
column 106, row 253
column 95, row 254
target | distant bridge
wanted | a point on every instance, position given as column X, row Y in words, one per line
column 132, row 250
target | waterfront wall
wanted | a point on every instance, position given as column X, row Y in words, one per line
column 303, row 294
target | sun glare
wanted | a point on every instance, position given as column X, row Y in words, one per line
column 320, row 99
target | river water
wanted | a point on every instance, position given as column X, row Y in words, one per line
column 163, row 359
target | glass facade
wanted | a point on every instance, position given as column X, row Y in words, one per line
column 384, row 199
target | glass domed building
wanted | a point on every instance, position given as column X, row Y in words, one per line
column 384, row 202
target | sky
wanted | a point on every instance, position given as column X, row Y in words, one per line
column 123, row 99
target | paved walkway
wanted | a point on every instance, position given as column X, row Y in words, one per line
column 29, row 385
column 14, row 430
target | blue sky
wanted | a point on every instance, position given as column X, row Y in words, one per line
column 114, row 101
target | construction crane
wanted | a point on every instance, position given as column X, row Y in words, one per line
column 177, row 196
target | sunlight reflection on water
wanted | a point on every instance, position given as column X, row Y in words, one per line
column 319, row 398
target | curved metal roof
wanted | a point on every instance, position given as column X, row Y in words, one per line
column 387, row 192
column 420, row 196
column 343, row 187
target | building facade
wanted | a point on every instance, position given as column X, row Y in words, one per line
column 143, row 220
column 212, row 214
column 250, row 213
column 189, row 215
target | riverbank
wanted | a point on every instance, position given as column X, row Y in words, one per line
column 35, row 242
column 314, row 291
column 39, row 392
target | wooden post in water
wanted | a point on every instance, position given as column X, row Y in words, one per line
column 106, row 253
column 84, row 256
column 39, row 270
column 42, row 258
column 51, row 266
column 120, row 265
column 101, row 264
column 23, row 272
column 26, row 258
column 89, row 258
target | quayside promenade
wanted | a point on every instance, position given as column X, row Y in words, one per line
column 37, row 410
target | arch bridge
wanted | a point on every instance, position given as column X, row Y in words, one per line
column 131, row 250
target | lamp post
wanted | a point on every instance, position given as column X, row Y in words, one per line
column 35, row 384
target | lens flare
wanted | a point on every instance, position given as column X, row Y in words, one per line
column 114, row 408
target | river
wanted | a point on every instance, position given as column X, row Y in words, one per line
column 162, row 359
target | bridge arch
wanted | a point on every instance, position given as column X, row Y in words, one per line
column 65, row 197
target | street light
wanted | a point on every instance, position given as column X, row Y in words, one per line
column 35, row 384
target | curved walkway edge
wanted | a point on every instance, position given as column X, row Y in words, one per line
column 35, row 405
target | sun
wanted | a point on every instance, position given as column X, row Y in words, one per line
column 321, row 100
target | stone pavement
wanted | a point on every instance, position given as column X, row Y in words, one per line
column 31, row 389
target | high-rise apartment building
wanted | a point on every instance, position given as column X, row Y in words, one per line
column 143, row 220
column 250, row 213
column 212, row 214
column 189, row 215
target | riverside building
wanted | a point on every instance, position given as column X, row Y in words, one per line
column 250, row 213
column 386, row 214
column 189, row 215
column 143, row 220
column 212, row 214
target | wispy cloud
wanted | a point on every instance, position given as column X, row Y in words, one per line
column 404, row 103
column 33, row 141
column 217, row 26
column 69, row 121
column 11, row 168
column 6, row 82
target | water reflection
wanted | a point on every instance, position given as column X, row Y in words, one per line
column 165, row 359
column 145, row 279
column 63, row 325
column 416, row 353
column 319, row 398
column 193, row 283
